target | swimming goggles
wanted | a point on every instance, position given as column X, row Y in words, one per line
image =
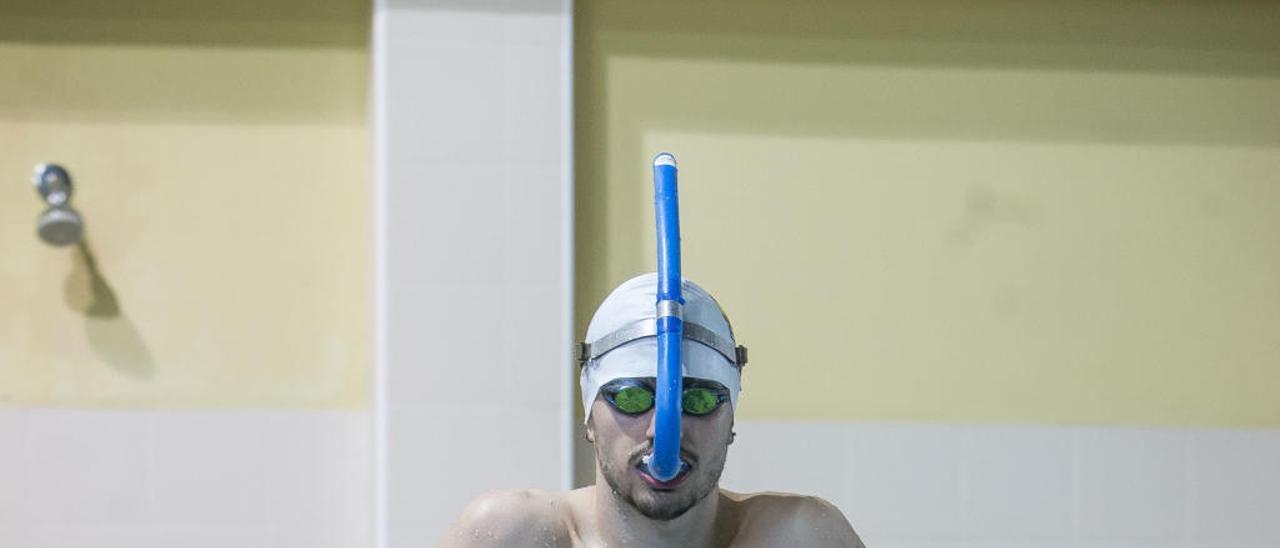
column 634, row 396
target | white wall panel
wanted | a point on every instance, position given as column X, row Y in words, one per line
column 159, row 478
column 917, row 485
column 472, row 136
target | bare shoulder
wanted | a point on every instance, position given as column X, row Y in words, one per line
column 513, row 518
column 768, row 518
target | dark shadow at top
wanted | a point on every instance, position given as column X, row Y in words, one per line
column 1239, row 38
column 1189, row 73
column 313, row 23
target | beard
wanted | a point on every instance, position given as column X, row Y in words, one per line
column 661, row 505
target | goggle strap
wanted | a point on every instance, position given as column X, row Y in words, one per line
column 639, row 329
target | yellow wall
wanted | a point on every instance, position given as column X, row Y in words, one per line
column 220, row 156
column 1043, row 212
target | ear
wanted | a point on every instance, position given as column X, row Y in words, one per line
column 591, row 431
column 732, row 435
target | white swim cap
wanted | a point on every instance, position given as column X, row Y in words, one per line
column 621, row 341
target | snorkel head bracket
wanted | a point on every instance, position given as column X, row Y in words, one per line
column 639, row 329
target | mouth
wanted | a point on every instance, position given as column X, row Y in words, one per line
column 669, row 485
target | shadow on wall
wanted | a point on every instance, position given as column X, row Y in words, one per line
column 111, row 335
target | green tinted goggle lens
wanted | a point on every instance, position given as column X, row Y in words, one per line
column 634, row 399
column 700, row 401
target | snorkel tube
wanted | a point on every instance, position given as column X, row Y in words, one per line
column 664, row 464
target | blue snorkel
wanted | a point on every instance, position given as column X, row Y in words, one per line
column 664, row 464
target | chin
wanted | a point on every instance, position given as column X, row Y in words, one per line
column 663, row 506
column 666, row 505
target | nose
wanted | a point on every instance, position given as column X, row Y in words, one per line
column 650, row 429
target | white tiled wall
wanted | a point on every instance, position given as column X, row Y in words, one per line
column 472, row 140
column 912, row 486
column 161, row 478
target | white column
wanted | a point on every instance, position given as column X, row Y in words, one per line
column 474, row 249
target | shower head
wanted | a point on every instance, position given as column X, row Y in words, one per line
column 59, row 224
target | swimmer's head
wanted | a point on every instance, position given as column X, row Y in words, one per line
column 621, row 341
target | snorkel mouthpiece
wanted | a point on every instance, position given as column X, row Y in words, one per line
column 665, row 462
column 647, row 462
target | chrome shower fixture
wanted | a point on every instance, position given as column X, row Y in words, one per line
column 59, row 225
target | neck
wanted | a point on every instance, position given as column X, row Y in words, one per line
column 618, row 523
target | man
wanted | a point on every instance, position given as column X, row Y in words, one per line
column 627, row 506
